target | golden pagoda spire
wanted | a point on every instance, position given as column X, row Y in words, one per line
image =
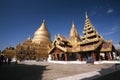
column 86, row 14
column 88, row 22
column 89, row 31
column 73, row 32
column 73, row 25
column 43, row 20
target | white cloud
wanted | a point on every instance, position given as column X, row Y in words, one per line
column 111, row 31
column 117, row 46
column 109, row 11
column 94, row 11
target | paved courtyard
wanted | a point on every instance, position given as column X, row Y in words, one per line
column 50, row 71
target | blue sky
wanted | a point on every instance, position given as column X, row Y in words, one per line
column 21, row 18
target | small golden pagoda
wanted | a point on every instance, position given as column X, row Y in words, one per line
column 9, row 52
column 74, row 36
column 91, row 45
column 36, row 48
column 26, row 50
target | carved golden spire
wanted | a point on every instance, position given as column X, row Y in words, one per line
column 86, row 15
column 73, row 25
column 42, row 34
column 89, row 31
column 88, row 23
column 74, row 33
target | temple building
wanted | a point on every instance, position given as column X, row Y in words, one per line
column 90, row 45
column 36, row 48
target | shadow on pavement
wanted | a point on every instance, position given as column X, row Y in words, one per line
column 107, row 74
column 21, row 72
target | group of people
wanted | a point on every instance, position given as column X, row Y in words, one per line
column 4, row 60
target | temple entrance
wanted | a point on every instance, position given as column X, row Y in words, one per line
column 86, row 55
column 89, row 57
column 73, row 56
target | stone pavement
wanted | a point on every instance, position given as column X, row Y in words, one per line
column 91, row 75
column 82, row 76
column 75, row 70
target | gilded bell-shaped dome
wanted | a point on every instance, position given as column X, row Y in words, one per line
column 42, row 35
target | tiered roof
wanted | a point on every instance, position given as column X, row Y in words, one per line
column 91, row 40
column 90, row 34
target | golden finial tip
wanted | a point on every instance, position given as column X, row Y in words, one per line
column 73, row 25
column 86, row 14
column 72, row 21
column 43, row 20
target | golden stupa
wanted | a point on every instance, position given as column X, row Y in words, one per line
column 42, row 35
column 36, row 48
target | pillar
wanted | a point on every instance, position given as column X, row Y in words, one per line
column 60, row 57
column 56, row 57
column 66, row 57
column 108, row 56
column 93, row 56
column 79, row 57
column 112, row 56
column 100, row 58
column 53, row 56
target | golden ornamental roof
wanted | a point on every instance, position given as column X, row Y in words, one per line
column 88, row 24
column 107, row 46
column 90, row 41
column 90, row 33
column 42, row 34
column 74, row 36
column 73, row 31
column 91, row 47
